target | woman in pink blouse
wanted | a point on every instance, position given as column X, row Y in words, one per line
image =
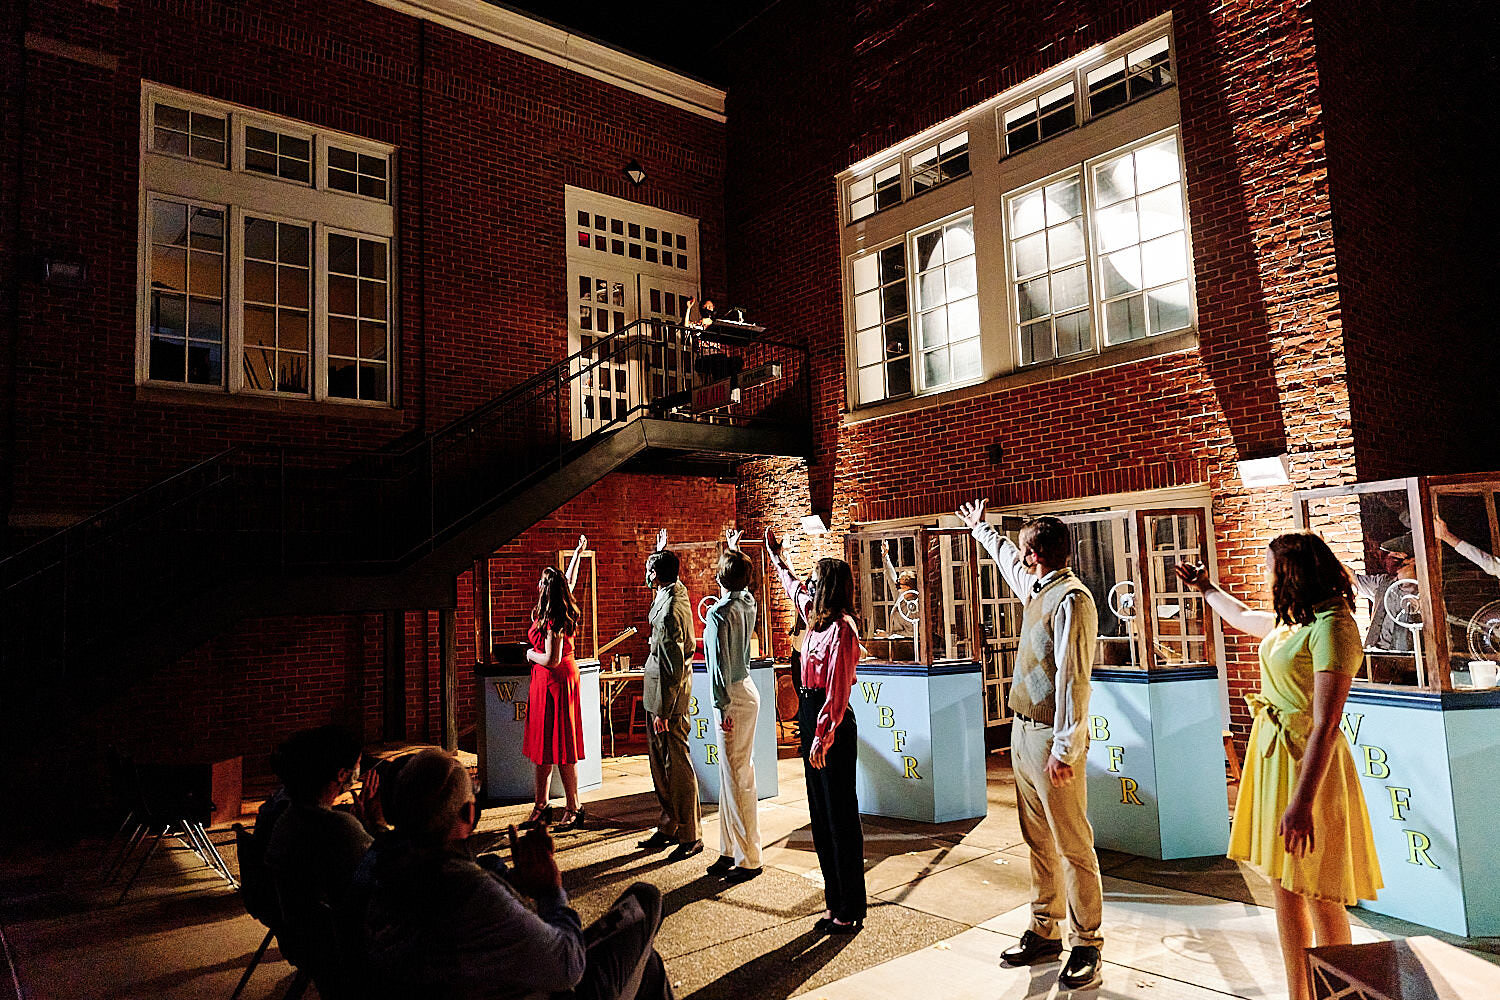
column 828, row 739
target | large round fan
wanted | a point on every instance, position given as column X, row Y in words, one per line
column 906, row 605
column 1484, row 632
column 703, row 607
column 1122, row 600
column 1403, row 602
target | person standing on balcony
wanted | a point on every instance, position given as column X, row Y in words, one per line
column 826, row 731
column 667, row 695
column 554, row 727
column 1049, row 741
column 1300, row 818
column 726, row 645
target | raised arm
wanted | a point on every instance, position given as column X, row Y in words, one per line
column 795, row 591
column 890, row 567
column 1007, row 557
column 1235, row 612
column 732, row 538
column 576, row 561
column 661, row 540
column 1484, row 560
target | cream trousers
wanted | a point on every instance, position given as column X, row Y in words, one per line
column 739, row 823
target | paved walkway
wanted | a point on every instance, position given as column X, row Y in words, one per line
column 946, row 899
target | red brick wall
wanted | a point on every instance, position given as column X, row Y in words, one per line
column 1267, row 376
column 1413, row 206
column 487, row 139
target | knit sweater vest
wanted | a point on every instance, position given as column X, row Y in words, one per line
column 1034, row 688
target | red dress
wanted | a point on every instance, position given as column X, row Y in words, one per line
column 554, row 721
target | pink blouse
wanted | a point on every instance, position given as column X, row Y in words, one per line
column 829, row 658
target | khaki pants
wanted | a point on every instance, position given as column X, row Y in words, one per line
column 739, row 820
column 672, row 775
column 1055, row 826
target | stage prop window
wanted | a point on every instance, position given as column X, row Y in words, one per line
column 261, row 275
column 1427, row 581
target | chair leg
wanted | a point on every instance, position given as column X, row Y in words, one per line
column 265, row 943
column 109, row 846
column 214, row 858
column 147, row 857
column 141, row 831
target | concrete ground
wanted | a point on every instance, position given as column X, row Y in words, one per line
column 945, row 900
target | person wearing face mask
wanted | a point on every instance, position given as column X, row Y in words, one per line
column 666, row 695
column 1049, row 740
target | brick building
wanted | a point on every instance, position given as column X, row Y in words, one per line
column 296, row 249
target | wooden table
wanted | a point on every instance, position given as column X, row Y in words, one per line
column 611, row 683
column 1419, row 968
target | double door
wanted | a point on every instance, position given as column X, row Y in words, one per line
column 613, row 378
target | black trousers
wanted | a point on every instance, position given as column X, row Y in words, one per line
column 833, row 805
column 621, row 962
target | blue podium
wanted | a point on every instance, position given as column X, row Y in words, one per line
column 1156, row 763
column 921, row 740
column 703, row 736
column 504, row 696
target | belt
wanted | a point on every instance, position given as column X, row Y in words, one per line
column 1027, row 718
column 807, row 692
column 1290, row 729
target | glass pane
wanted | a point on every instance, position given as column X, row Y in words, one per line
column 1161, row 212
column 1116, row 226
column 963, row 319
column 372, row 259
column 960, row 278
column 341, row 336
column 260, row 162
column 934, row 328
column 1073, row 333
column 206, row 274
column 1163, row 260
column 958, row 238
column 260, row 239
column 1069, row 288
column 260, row 282
column 1063, row 201
column 1027, row 214
column 342, row 295
column 1114, row 180
column 342, row 376
column 207, row 229
column 1034, row 300
column 931, row 290
column 342, row 254
column 291, row 372
column 293, row 330
column 1124, row 320
column 868, row 346
column 260, row 326
column 372, row 382
column 372, row 299
column 1121, row 272
column 966, row 361
column 866, row 272
column 259, row 370
column 935, row 368
column 372, row 340
column 866, row 310
column 172, row 118
column 168, row 362
column 169, row 315
column 893, row 263
column 929, row 250
column 1036, row 342
column 292, row 286
column 893, row 300
column 294, row 244
column 1030, row 255
column 1065, row 244
column 203, row 363
column 169, row 268
column 898, row 373
column 871, row 384
column 205, row 319
column 169, row 223
column 896, row 339
column 1156, row 165
column 1167, row 308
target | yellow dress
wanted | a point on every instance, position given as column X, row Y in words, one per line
column 1342, row 867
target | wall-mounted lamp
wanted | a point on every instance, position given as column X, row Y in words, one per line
column 813, row 524
column 1274, row 470
column 635, row 172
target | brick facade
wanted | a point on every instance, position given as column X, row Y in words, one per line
column 1269, row 373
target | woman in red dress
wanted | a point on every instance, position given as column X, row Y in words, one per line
column 554, row 726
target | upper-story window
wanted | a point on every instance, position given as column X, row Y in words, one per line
column 1047, row 231
column 266, row 254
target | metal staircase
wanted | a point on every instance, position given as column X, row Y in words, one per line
column 261, row 531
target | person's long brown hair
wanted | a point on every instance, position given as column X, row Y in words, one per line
column 1306, row 574
column 833, row 593
column 555, row 606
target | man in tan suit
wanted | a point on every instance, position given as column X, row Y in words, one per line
column 1049, row 740
column 667, row 697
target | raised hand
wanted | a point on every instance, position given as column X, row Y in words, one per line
column 773, row 545
column 661, row 540
column 1192, row 574
column 533, row 867
column 972, row 513
column 732, row 537
column 583, row 543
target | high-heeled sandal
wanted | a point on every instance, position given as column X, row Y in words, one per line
column 539, row 815
column 572, row 820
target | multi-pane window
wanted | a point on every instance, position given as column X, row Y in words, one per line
column 623, row 237
column 1048, row 270
column 1040, row 118
column 186, row 298
column 278, row 154
column 947, row 304
column 1141, row 71
column 940, row 162
column 882, row 339
column 238, row 296
column 879, row 190
column 358, row 299
column 182, row 131
column 277, row 300
column 357, row 173
column 1141, row 245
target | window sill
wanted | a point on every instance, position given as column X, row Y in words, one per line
column 218, row 400
column 1124, row 354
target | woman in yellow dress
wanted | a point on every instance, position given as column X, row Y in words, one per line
column 1300, row 817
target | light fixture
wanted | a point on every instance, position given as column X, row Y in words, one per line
column 635, row 172
column 812, row 524
column 1274, row 470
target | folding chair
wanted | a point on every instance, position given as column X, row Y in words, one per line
column 259, row 897
column 160, row 811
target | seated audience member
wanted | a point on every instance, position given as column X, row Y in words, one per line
column 438, row 925
column 313, row 849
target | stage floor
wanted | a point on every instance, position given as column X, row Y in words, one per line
column 945, row 900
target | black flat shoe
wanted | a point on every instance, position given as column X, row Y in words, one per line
column 736, row 875
column 571, row 821
column 1031, row 949
column 1084, row 969
column 720, row 867
column 853, row 927
column 656, row 842
column 685, row 851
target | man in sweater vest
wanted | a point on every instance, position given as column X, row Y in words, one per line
column 1049, row 740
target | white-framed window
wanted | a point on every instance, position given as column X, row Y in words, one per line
column 1070, row 188
column 264, row 270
